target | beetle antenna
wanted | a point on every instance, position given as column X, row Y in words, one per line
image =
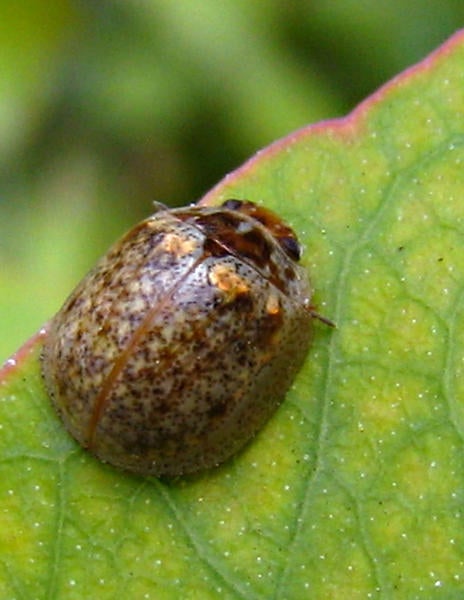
column 321, row 318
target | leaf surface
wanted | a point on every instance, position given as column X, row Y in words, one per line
column 356, row 487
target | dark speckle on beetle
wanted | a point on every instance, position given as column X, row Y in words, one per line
column 180, row 344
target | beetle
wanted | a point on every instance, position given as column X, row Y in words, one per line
column 180, row 344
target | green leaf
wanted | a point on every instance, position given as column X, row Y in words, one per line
column 355, row 488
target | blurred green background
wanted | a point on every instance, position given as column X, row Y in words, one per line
column 107, row 106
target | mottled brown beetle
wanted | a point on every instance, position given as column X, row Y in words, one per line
column 183, row 340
